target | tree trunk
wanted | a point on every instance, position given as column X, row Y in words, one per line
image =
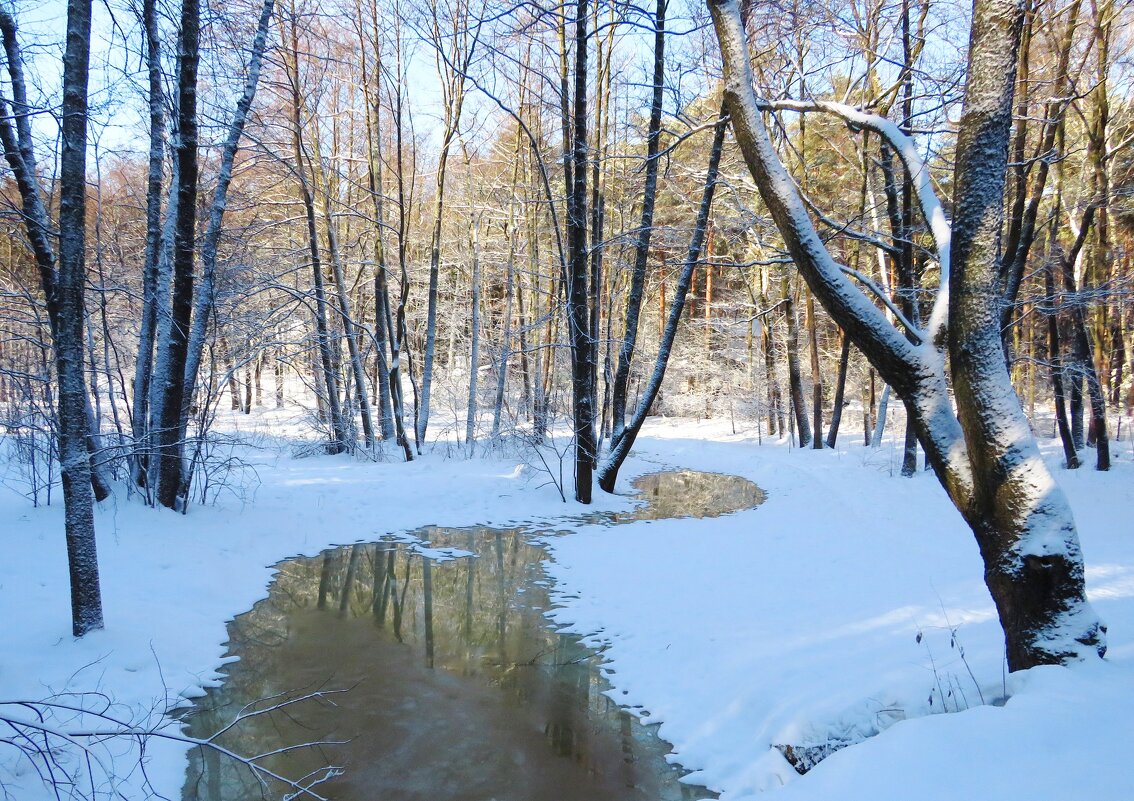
column 795, row 380
column 19, row 151
column 1070, row 455
column 1023, row 525
column 206, row 295
column 578, row 313
column 645, row 229
column 816, row 374
column 143, row 368
column 620, row 447
column 984, row 457
column 840, row 389
column 171, row 376
column 75, row 466
column 474, row 353
column 340, row 440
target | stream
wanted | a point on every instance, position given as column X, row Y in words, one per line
column 429, row 671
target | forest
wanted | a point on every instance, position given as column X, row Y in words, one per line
column 407, row 235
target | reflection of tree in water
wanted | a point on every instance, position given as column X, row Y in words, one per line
column 443, row 655
column 685, row 493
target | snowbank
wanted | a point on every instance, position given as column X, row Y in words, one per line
column 794, row 623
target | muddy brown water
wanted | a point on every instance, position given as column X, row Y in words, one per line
column 432, row 674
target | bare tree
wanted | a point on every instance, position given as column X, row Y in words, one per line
column 63, row 288
column 984, row 454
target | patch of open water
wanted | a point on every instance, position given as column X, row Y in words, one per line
column 454, row 685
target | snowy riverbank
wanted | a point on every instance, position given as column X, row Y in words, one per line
column 792, row 623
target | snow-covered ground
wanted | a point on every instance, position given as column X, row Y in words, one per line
column 850, row 603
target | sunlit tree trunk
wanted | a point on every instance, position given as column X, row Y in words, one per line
column 63, row 290
column 578, row 311
column 985, row 456
column 620, row 447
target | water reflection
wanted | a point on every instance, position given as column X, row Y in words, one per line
column 457, row 687
column 689, row 493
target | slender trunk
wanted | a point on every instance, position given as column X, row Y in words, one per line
column 506, row 333
column 645, row 229
column 451, row 69
column 279, row 384
column 348, row 322
column 338, row 434
column 385, row 335
column 578, row 313
column 816, row 374
column 1084, row 366
column 230, row 374
column 399, row 335
column 620, row 448
column 1070, row 455
column 840, row 388
column 172, row 382
column 206, row 294
column 474, row 353
column 143, row 368
column 75, row 466
column 795, row 381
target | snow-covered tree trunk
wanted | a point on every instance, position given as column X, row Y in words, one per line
column 620, row 447
column 1023, row 523
column 63, row 290
column 206, row 293
column 474, row 352
column 840, row 391
column 143, row 366
column 578, row 312
column 327, row 371
column 342, row 292
column 505, row 336
column 984, row 455
column 75, row 467
column 452, row 69
column 795, row 378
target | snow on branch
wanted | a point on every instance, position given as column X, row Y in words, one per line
column 928, row 202
column 916, row 333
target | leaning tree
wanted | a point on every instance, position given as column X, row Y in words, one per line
column 979, row 443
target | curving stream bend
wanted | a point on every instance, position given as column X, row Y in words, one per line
column 454, row 685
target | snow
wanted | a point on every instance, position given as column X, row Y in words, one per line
column 849, row 607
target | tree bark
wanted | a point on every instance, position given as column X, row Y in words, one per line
column 578, row 313
column 985, row 456
column 75, row 466
column 19, row 151
column 206, row 294
column 143, row 368
column 795, row 379
column 170, row 377
column 840, row 389
column 645, row 229
column 620, row 447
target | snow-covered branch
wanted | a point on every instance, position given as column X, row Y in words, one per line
column 930, row 205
